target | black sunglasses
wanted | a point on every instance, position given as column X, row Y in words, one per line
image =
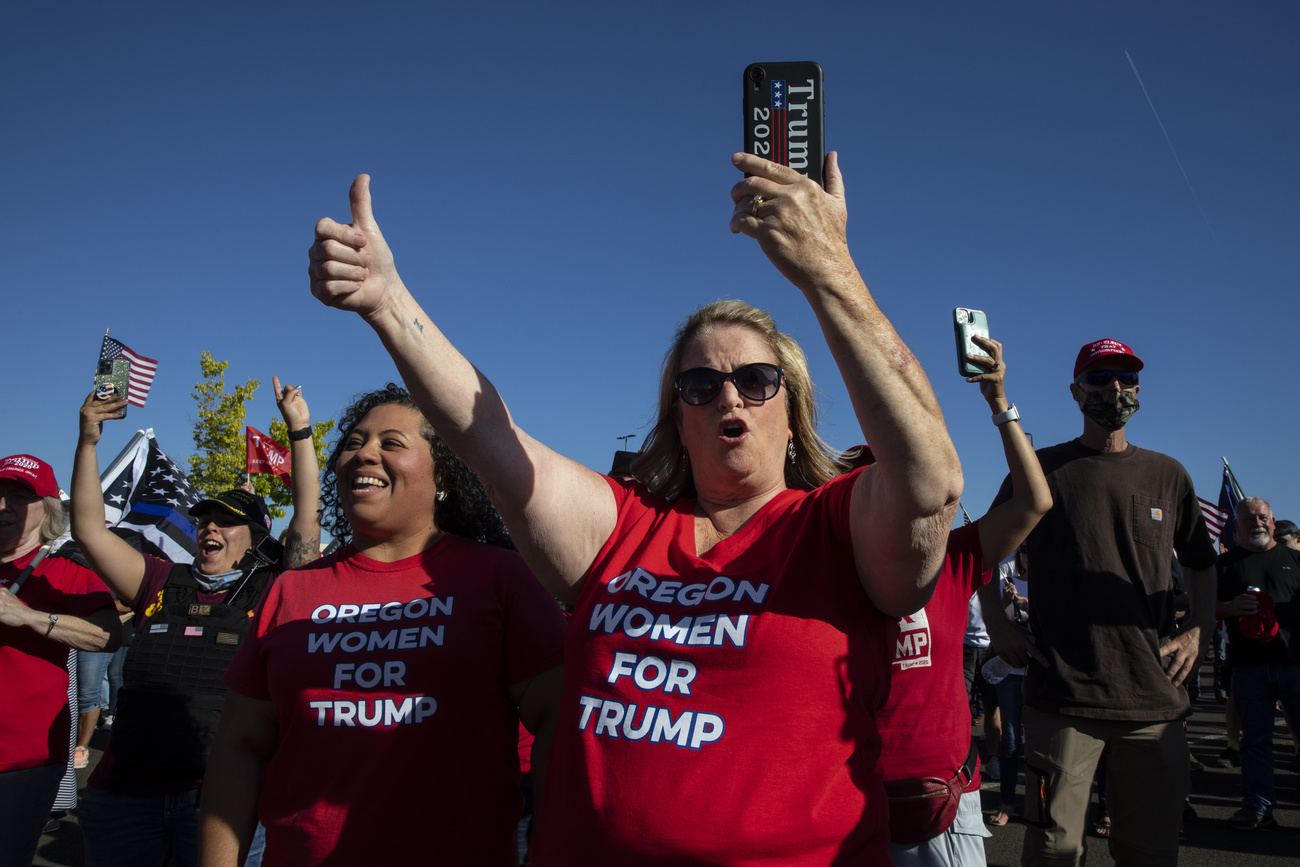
column 758, row 382
column 1126, row 378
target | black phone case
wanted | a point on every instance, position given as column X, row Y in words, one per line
column 785, row 115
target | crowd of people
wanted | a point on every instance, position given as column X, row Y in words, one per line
column 766, row 655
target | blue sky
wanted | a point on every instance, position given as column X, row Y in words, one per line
column 554, row 181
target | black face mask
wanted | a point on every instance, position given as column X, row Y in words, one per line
column 1111, row 408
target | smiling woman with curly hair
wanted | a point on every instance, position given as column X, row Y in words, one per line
column 420, row 636
column 464, row 510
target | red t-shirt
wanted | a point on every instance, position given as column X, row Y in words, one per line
column 720, row 709
column 35, row 723
column 925, row 725
column 389, row 683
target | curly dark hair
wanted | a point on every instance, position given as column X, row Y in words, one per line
column 465, row 511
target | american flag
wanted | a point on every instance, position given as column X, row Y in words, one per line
column 1220, row 520
column 146, row 494
column 780, row 132
column 1229, row 496
column 1215, row 518
column 142, row 369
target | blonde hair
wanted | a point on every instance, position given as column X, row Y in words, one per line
column 663, row 465
column 56, row 519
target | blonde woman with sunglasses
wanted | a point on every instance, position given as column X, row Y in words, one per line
column 735, row 609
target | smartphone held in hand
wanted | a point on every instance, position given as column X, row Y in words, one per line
column 967, row 323
column 112, row 379
column 784, row 115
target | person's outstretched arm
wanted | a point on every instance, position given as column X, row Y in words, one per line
column 118, row 565
column 559, row 513
column 97, row 632
column 1007, row 524
column 302, row 545
column 903, row 507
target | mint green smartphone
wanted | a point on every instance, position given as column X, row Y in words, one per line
column 967, row 323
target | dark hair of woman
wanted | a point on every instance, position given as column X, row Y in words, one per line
column 464, row 511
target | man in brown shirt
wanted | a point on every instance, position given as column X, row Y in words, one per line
column 1106, row 662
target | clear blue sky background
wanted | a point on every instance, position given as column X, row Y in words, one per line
column 554, row 181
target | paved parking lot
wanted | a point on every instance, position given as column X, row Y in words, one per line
column 1208, row 842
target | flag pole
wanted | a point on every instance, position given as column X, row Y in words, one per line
column 1232, row 476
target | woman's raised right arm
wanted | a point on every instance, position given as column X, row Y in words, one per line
column 117, row 564
column 559, row 513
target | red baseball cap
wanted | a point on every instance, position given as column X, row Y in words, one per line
column 32, row 472
column 1262, row 625
column 1102, row 349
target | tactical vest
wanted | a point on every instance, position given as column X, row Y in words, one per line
column 171, row 698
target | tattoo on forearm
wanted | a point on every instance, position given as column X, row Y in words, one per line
column 418, row 325
column 299, row 551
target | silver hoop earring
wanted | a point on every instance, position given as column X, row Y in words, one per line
column 790, row 450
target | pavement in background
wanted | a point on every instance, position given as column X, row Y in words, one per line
column 1208, row 842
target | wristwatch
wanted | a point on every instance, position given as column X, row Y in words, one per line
column 300, row 434
column 1011, row 414
column 54, row 618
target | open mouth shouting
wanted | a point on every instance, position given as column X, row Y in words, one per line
column 211, row 548
column 732, row 430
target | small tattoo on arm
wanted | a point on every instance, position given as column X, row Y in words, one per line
column 418, row 325
column 299, row 551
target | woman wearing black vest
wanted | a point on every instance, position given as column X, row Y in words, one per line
column 142, row 803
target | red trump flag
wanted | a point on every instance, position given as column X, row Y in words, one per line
column 263, row 454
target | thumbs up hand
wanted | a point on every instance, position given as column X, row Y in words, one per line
column 351, row 266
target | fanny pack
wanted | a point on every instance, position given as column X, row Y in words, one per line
column 923, row 807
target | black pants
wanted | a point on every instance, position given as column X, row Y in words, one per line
column 26, row 797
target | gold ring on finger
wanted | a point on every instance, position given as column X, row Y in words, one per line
column 753, row 207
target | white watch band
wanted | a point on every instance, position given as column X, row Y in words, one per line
column 1011, row 414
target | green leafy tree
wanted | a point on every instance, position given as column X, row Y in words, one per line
column 218, row 464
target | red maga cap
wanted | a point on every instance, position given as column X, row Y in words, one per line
column 1102, row 349
column 32, row 472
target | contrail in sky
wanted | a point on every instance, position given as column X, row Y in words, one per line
column 1169, row 141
